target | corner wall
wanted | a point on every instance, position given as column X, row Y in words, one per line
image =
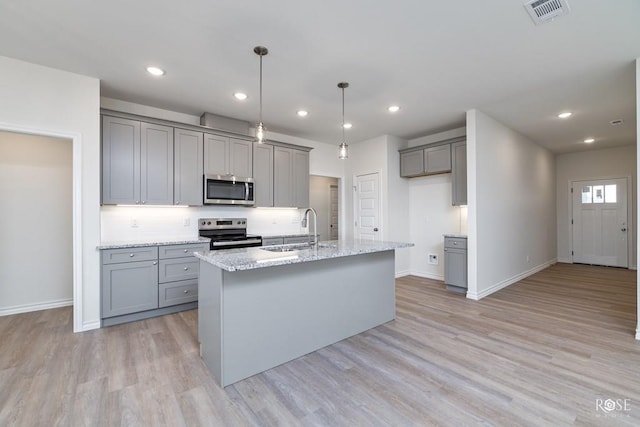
column 637, row 189
column 41, row 100
column 512, row 206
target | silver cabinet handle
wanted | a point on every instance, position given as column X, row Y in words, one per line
column 186, row 268
column 131, row 255
column 186, row 291
column 155, row 262
column 186, row 250
column 144, row 201
column 455, row 243
column 137, row 202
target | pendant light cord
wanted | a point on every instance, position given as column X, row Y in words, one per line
column 343, row 115
column 260, row 88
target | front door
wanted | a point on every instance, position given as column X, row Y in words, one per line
column 367, row 207
column 600, row 227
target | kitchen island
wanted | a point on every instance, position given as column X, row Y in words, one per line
column 261, row 307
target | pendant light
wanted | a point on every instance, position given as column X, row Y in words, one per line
column 344, row 148
column 260, row 129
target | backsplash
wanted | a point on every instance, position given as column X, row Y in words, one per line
column 123, row 223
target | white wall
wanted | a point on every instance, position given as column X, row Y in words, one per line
column 380, row 155
column 35, row 217
column 512, row 205
column 617, row 162
column 43, row 100
column 319, row 199
column 440, row 136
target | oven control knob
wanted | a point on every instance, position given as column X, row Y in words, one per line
column 204, row 222
column 208, row 222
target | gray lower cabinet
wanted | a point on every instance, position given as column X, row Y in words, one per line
column 272, row 241
column 144, row 282
column 295, row 239
column 455, row 263
column 188, row 167
column 137, row 162
column 459, row 173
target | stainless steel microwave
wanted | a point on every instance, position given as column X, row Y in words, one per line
column 228, row 190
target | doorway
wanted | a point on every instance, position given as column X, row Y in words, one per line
column 324, row 198
column 36, row 187
column 600, row 222
column 367, row 209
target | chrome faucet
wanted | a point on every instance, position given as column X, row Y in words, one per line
column 315, row 225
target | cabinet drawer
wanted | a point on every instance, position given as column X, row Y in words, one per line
column 172, row 270
column 271, row 241
column 455, row 242
column 177, row 293
column 180, row 251
column 113, row 256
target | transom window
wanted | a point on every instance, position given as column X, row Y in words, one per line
column 599, row 194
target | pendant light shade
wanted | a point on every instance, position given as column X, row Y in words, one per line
column 344, row 148
column 260, row 128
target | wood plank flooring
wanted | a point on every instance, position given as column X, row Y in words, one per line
column 540, row 352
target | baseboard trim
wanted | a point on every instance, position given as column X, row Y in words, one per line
column 638, row 333
column 402, row 273
column 427, row 275
column 27, row 308
column 565, row 260
column 510, row 281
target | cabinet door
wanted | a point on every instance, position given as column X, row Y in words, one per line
column 120, row 161
column 300, row 178
column 459, row 173
column 282, row 174
column 455, row 267
column 129, row 288
column 156, row 164
column 412, row 163
column 188, row 161
column 240, row 158
column 216, row 155
column 263, row 174
column 437, row 159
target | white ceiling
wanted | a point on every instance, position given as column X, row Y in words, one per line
column 435, row 59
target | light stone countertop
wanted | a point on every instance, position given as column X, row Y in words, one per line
column 251, row 258
column 151, row 242
column 273, row 236
column 458, row 236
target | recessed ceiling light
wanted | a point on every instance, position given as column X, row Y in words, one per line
column 394, row 108
column 589, row 140
column 240, row 96
column 155, row 71
column 565, row 115
column 302, row 113
column 348, row 125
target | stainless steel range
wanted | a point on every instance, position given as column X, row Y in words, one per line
column 227, row 233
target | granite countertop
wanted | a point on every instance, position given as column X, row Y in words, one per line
column 269, row 236
column 251, row 258
column 459, row 236
column 151, row 242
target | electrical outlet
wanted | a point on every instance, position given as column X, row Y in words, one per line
column 186, row 222
column 433, row 259
column 134, row 223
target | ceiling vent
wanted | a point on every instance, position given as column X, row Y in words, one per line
column 542, row 11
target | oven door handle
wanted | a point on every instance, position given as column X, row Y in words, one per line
column 236, row 242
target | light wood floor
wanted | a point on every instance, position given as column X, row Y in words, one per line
column 537, row 353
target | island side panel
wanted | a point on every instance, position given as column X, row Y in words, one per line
column 275, row 314
column 210, row 318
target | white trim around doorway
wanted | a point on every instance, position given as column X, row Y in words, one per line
column 76, row 138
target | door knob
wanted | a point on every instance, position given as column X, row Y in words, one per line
column 375, row 229
column 623, row 229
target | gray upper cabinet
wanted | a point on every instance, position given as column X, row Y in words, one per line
column 290, row 177
column 459, row 173
column 188, row 167
column 437, row 159
column 227, row 156
column 156, row 164
column 120, row 161
column 137, row 162
column 263, row 174
column 412, row 163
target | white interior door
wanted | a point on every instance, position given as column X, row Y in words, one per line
column 367, row 207
column 600, row 227
column 333, row 212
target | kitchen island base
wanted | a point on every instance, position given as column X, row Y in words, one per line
column 253, row 320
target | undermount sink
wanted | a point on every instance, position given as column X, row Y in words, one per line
column 295, row 247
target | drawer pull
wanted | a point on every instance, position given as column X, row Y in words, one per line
column 455, row 243
column 131, row 255
column 186, row 291
column 186, row 268
column 155, row 262
column 186, row 250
